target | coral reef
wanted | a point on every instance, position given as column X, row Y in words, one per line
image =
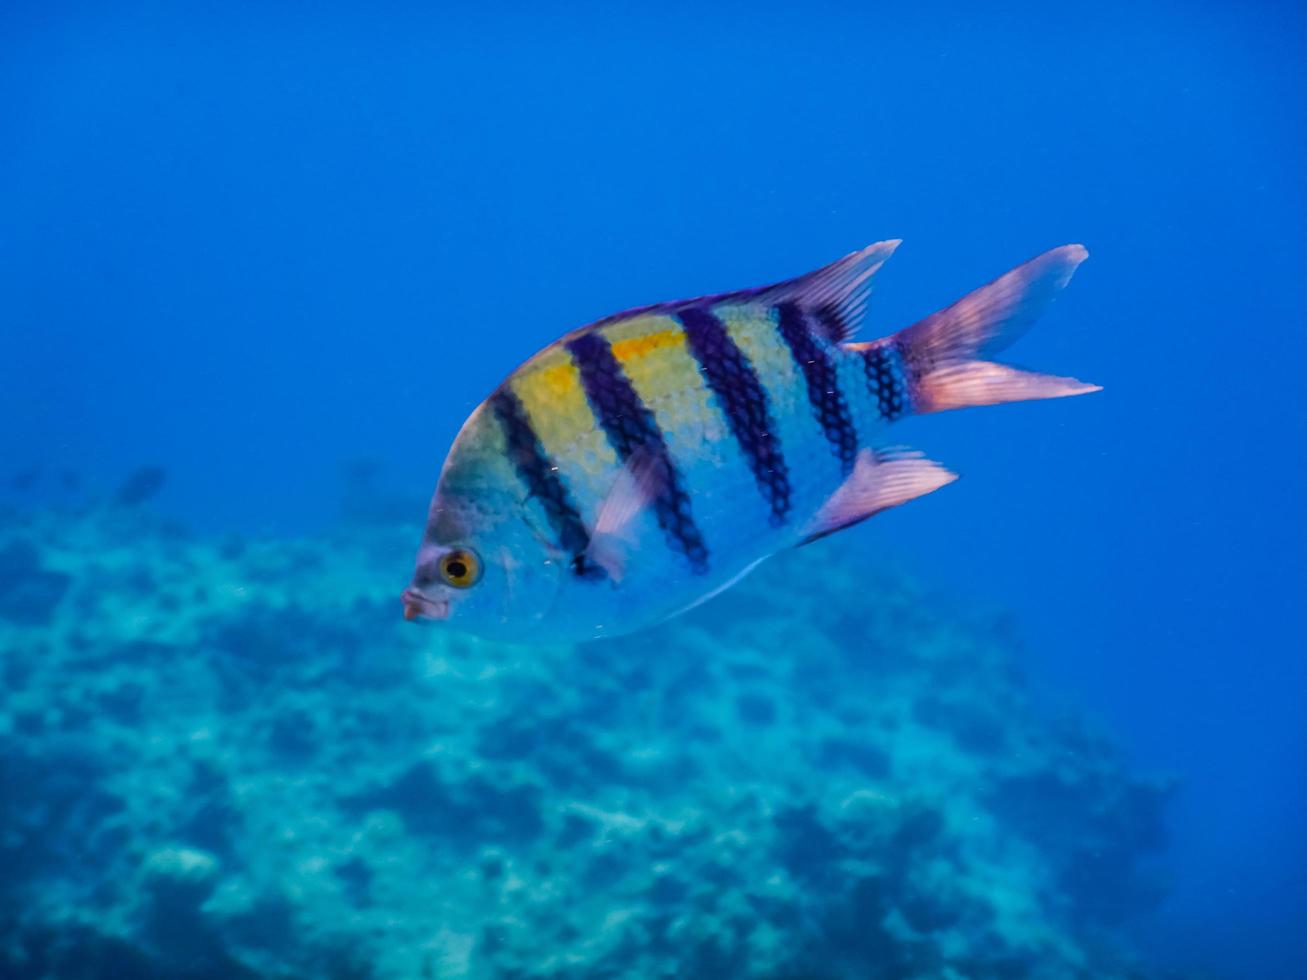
column 230, row 758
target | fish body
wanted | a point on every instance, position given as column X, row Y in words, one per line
column 643, row 463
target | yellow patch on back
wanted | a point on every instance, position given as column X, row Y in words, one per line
column 652, row 352
column 549, row 386
column 559, row 381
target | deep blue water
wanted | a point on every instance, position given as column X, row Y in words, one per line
column 249, row 246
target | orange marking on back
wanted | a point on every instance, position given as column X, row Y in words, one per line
column 626, row 350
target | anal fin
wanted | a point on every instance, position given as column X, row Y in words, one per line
column 879, row 481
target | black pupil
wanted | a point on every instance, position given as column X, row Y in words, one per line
column 456, row 569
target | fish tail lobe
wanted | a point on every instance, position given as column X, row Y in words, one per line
column 945, row 357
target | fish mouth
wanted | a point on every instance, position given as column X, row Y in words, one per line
column 420, row 606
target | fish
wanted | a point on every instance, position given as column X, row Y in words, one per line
column 644, row 463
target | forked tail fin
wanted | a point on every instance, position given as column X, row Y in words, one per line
column 944, row 357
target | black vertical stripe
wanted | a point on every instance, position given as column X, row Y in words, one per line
column 886, row 380
column 743, row 399
column 630, row 426
column 543, row 482
column 828, row 404
column 832, row 323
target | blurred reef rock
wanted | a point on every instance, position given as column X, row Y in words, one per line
column 141, row 486
column 230, row 758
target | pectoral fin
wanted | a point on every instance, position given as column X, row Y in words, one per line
column 640, row 481
column 879, row 481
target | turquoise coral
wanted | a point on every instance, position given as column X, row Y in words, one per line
column 226, row 758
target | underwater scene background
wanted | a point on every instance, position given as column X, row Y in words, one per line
column 257, row 267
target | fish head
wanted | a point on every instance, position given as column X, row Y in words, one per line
column 484, row 566
column 483, row 582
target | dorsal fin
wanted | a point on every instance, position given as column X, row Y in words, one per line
column 837, row 293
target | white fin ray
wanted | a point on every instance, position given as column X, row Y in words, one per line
column 837, row 293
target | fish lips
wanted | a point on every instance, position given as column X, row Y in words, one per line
column 418, row 605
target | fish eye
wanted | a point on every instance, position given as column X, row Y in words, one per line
column 460, row 568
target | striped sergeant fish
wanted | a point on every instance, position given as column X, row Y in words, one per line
column 644, row 463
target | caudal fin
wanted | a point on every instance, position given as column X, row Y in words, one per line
column 945, row 356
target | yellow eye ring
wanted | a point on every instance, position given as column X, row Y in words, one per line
column 460, row 568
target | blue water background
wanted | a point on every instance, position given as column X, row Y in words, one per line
column 248, row 246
